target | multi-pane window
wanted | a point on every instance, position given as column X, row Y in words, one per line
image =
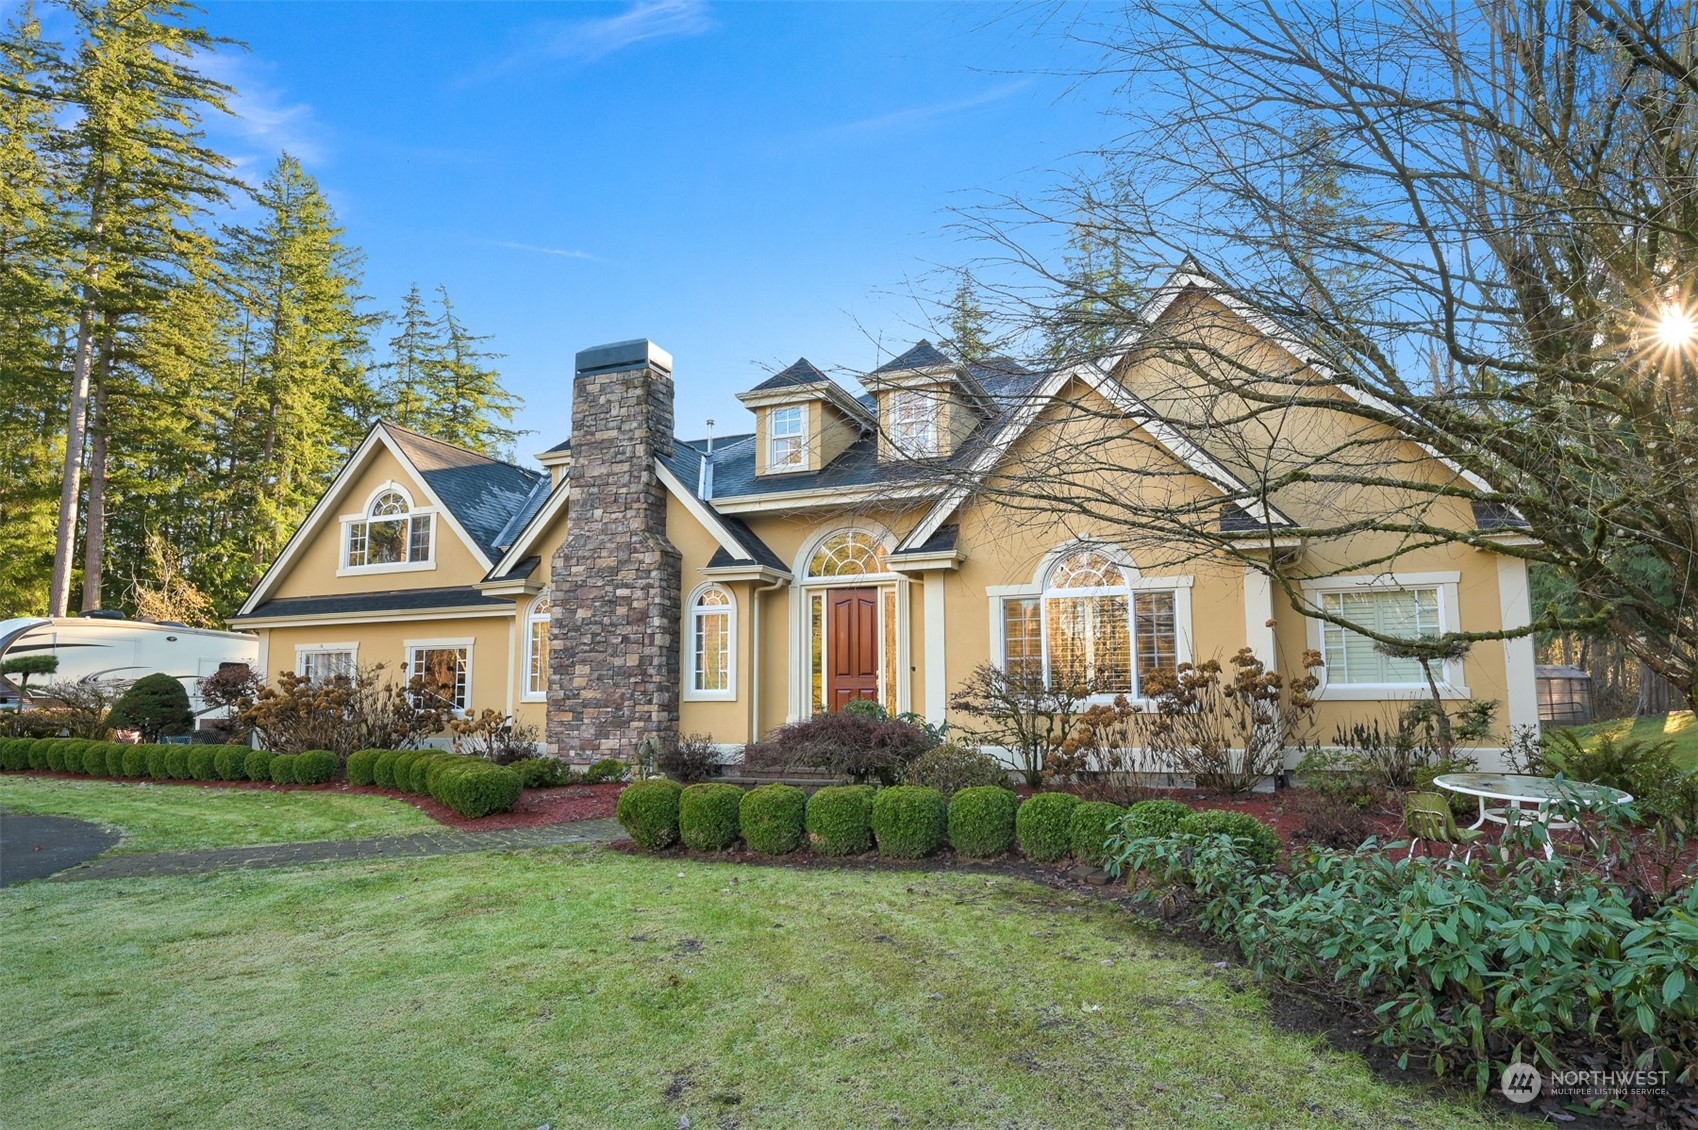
column 710, row 642
column 444, row 671
column 1400, row 613
column 536, row 652
column 322, row 664
column 787, row 437
column 913, row 423
column 389, row 534
column 1091, row 629
column 850, row 553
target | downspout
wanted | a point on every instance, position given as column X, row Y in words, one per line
column 755, row 659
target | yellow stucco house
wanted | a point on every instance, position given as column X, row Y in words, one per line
column 640, row 584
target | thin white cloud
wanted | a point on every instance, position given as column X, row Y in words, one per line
column 563, row 252
column 262, row 116
column 914, row 116
column 585, row 41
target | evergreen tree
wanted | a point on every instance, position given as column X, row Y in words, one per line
column 303, row 399
column 33, row 249
column 1097, row 300
column 141, row 173
column 414, row 353
column 969, row 325
column 470, row 405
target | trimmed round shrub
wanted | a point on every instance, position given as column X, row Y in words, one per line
column 401, row 769
column 116, row 755
column 135, row 761
column 203, row 762
column 708, row 816
column 1044, row 826
column 436, row 766
column 607, row 769
column 1153, row 818
column 772, row 818
column 316, row 766
column 981, row 821
column 230, row 762
column 71, row 755
column 1094, row 821
column 909, row 821
column 383, row 769
column 362, row 765
column 648, row 811
column 951, row 768
column 474, row 787
column 1254, row 838
column 545, row 772
column 283, row 768
column 839, row 820
column 44, row 752
column 177, row 762
column 156, row 705
column 156, row 755
column 417, row 777
column 14, row 754
column 257, row 765
column 94, row 758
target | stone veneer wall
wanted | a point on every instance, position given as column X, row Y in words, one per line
column 614, row 638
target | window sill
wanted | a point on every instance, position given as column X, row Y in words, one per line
column 710, row 696
column 1369, row 692
column 398, row 567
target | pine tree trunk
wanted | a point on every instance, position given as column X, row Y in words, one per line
column 94, row 536
column 65, row 539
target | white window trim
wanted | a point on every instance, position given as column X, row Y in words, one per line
column 729, row 694
column 525, row 692
column 347, row 521
column 302, row 650
column 1450, row 675
column 1184, row 650
column 902, row 429
column 466, row 642
column 800, row 437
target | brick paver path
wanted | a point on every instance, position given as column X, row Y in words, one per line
column 437, row 842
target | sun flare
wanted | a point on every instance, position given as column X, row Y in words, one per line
column 1676, row 327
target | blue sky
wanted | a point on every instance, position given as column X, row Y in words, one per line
column 743, row 183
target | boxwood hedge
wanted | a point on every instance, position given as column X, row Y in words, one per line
column 1153, row 818
column 177, row 762
column 474, row 787
column 283, row 768
column 230, row 762
column 1094, row 821
column 839, row 820
column 94, row 758
column 981, row 821
column 909, row 821
column 1254, row 838
column 648, row 811
column 257, row 765
column 156, row 755
column 316, row 767
column 772, row 818
column 1044, row 826
column 203, row 763
column 362, row 765
column 14, row 754
column 708, row 816
column 383, row 769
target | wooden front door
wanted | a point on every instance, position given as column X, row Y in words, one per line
column 852, row 646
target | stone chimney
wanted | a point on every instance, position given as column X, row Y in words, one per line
column 614, row 640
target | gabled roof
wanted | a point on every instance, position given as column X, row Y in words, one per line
column 474, row 494
column 800, row 372
column 400, row 600
column 482, row 493
column 922, row 355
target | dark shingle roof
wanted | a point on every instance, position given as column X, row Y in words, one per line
column 402, row 600
column 924, row 355
column 482, row 493
column 527, row 510
column 802, row 372
column 685, row 465
column 940, row 542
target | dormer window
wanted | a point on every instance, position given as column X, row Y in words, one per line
column 913, row 423
column 787, row 435
column 391, row 534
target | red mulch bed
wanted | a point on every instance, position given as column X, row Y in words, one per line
column 536, row 807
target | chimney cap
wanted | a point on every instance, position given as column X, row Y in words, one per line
column 633, row 354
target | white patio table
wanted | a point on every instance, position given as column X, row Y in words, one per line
column 1519, row 790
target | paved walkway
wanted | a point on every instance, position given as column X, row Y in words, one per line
column 436, row 842
column 34, row 847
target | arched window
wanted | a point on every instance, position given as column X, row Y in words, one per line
column 390, row 533
column 851, row 553
column 712, row 648
column 536, row 650
column 1091, row 628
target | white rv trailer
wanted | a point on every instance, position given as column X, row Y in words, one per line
column 107, row 647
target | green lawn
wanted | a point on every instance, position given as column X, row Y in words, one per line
column 584, row 988
column 172, row 817
column 1677, row 726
